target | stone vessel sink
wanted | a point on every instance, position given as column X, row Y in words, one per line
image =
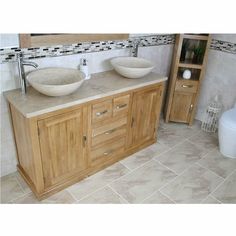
column 55, row 81
column 132, row 67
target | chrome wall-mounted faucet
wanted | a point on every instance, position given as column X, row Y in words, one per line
column 135, row 46
column 21, row 63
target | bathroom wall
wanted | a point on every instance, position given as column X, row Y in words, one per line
column 98, row 62
column 220, row 77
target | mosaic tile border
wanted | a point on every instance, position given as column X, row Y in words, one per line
column 9, row 54
column 223, row 46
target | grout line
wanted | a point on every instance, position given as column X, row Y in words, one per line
column 222, row 184
column 125, row 165
column 215, row 198
column 209, row 195
column 166, row 167
column 155, row 193
column 24, row 195
column 20, row 185
column 118, row 194
column 67, row 190
column 98, row 189
column 213, row 150
column 210, row 171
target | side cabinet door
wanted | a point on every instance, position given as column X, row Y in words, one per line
column 182, row 106
column 62, row 146
column 145, row 115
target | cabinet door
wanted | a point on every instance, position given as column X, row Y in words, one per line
column 145, row 115
column 62, row 146
column 182, row 106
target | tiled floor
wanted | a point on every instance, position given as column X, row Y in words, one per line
column 184, row 166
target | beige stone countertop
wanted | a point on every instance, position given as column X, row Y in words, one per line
column 100, row 85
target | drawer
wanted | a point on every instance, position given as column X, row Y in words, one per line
column 121, row 105
column 109, row 131
column 101, row 111
column 186, row 86
column 108, row 151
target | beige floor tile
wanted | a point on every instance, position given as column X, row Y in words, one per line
column 207, row 141
column 136, row 160
column 219, row 164
column 10, row 188
column 27, row 199
column 63, row 197
column 196, row 125
column 22, row 183
column 158, row 198
column 172, row 133
column 98, row 180
column 226, row 193
column 142, row 182
column 195, row 184
column 181, row 156
column 169, row 137
column 211, row 200
column 103, row 196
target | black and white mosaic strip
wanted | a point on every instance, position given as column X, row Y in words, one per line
column 223, row 46
column 9, row 54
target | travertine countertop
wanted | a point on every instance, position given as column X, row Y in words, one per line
column 100, row 85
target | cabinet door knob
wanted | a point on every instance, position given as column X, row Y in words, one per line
column 121, row 106
column 191, row 107
column 101, row 113
column 132, row 122
column 187, row 86
column 107, row 153
column 84, row 140
column 110, row 131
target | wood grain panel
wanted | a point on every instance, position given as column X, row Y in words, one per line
column 61, row 140
column 121, row 105
column 145, row 110
column 107, row 151
column 102, row 111
column 28, row 40
column 182, row 106
column 190, row 86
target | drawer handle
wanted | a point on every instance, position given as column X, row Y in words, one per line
column 121, row 106
column 101, row 113
column 110, row 131
column 107, row 153
column 187, row 86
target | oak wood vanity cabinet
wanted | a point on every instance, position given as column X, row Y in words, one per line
column 59, row 148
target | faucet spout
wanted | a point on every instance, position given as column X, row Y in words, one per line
column 135, row 46
column 21, row 63
column 30, row 63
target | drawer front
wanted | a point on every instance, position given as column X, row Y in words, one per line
column 101, row 111
column 109, row 131
column 121, row 131
column 107, row 151
column 121, row 105
column 189, row 86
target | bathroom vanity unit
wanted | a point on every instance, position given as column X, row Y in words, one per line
column 61, row 140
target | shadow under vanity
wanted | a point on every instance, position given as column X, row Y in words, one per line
column 61, row 140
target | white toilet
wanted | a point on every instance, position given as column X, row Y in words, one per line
column 227, row 133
